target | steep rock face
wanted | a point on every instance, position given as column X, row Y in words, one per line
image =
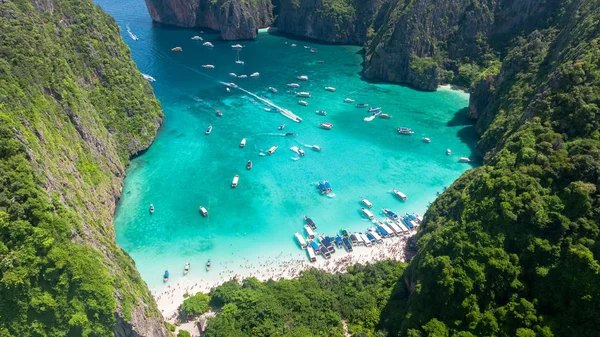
column 73, row 109
column 236, row 20
column 343, row 22
column 422, row 40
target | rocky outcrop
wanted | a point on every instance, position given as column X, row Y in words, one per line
column 339, row 22
column 236, row 20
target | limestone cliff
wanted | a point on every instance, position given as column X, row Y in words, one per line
column 73, row 109
column 235, row 19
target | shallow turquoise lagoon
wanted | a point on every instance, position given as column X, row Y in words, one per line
column 185, row 168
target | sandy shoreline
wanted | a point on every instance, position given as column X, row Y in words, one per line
column 282, row 266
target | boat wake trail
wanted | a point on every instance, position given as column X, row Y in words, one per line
column 287, row 113
column 133, row 36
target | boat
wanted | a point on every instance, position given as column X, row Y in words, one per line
column 186, row 269
column 372, row 117
column 249, row 165
column 233, row 85
column 394, row 226
column 332, row 89
column 448, row 152
column 288, row 134
column 338, row 241
column 151, row 209
column 255, row 74
column 305, row 103
column 348, row 100
column 366, row 202
column 243, row 76
column 177, row 49
column 322, row 187
column 322, row 112
column 208, row 264
column 233, row 74
column 374, row 109
column 344, row 233
column 325, row 252
column 426, row 140
column 310, row 222
column 293, row 45
column 235, row 181
column 328, row 186
column 362, row 105
column 405, row 131
column 293, row 85
column 366, row 240
column 243, row 142
column 391, row 214
column 208, row 130
column 208, row 66
column 300, row 239
column 316, row 147
column 219, row 113
column 166, row 276
column 203, row 211
column 390, row 232
column 327, row 126
column 311, row 254
column 376, row 236
column 311, row 234
column 370, row 237
column 268, row 109
column 419, row 218
column 237, row 46
column 303, row 78
column 367, row 213
column 273, row 90
column 303, row 94
column 227, row 89
column 272, row 149
column 199, row 38
column 301, row 152
column 148, row 78
column 281, row 127
column 208, row 44
column 354, row 238
column 314, row 50
column 464, row 160
column 238, row 61
column 385, row 116
column 400, row 194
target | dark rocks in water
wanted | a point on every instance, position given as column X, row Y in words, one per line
column 236, row 20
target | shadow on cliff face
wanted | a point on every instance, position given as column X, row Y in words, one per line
column 468, row 134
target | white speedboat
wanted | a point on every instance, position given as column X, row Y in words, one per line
column 199, row 38
column 239, row 62
column 237, row 46
column 293, row 85
column 151, row 209
column 349, row 100
column 464, row 160
column 243, row 142
column 372, row 117
column 316, row 147
column 303, row 78
column 228, row 90
column 235, row 181
column 301, row 240
column 273, row 90
column 305, row 103
column 366, row 202
column 148, row 78
column 385, row 116
column 203, row 211
column 374, row 109
column 256, row 74
column 272, row 149
column 426, row 140
column 448, row 152
column 177, row 49
column 233, row 74
column 327, row 126
column 293, row 45
column 322, row 112
column 332, row 89
column 400, row 194
column 208, row 66
column 405, row 131
column 367, row 213
column 208, row 44
column 243, row 76
column 303, row 94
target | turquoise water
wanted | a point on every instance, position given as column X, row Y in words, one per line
column 185, row 168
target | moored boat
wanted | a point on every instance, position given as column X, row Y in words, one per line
column 300, row 239
column 208, row 130
column 233, row 74
column 203, row 211
column 366, row 202
column 309, row 231
column 186, row 269
column 316, row 147
column 311, row 254
column 148, row 78
column 249, row 165
column 464, row 160
column 177, row 49
column 327, row 126
column 243, row 76
column 400, row 194
column 235, row 181
column 301, row 152
column 273, row 90
column 385, row 116
column 208, row 265
column 208, row 66
column 348, row 100
column 322, row 112
column 367, row 213
column 151, row 209
column 391, row 214
column 196, row 37
column 426, row 140
column 448, row 152
column 272, row 149
column 303, row 78
column 314, row 50
column 303, row 94
column 305, row 103
column 293, row 85
column 255, row 74
column 374, row 109
column 332, row 89
column 405, row 131
column 219, row 113
column 310, row 222
column 166, row 276
column 237, row 46
column 208, row 44
column 243, row 142
column 362, row 105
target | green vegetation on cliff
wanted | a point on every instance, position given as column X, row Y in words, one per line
column 73, row 108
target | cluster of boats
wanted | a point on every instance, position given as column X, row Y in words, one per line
column 326, row 245
column 186, row 270
column 324, row 187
